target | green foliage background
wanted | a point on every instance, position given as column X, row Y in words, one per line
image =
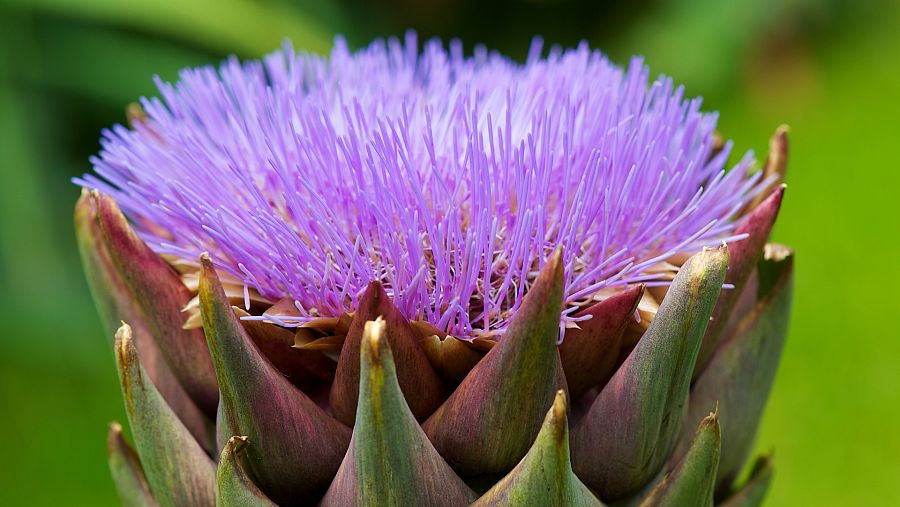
column 828, row 68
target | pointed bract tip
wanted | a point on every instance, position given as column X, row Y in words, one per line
column 238, row 443
column 715, row 250
column 124, row 345
column 111, row 216
column 372, row 296
column 126, row 470
column 113, row 436
column 639, row 292
column 234, row 486
column 551, row 275
column 711, row 421
column 779, row 144
column 771, row 204
column 555, row 263
column 210, row 288
column 560, row 406
column 544, row 476
column 86, row 204
column 373, row 335
column 776, row 252
column 692, row 480
column 711, row 258
column 557, row 254
column 779, row 191
column 549, row 283
column 557, row 417
column 779, row 141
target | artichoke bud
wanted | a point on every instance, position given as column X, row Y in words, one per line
column 420, row 288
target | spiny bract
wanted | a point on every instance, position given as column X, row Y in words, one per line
column 395, row 277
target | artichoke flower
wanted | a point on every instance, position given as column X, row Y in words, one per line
column 406, row 276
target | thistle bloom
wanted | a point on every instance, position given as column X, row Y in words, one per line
column 440, row 258
column 450, row 180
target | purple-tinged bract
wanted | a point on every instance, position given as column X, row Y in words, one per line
column 450, row 179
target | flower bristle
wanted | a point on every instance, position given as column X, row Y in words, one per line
column 449, row 179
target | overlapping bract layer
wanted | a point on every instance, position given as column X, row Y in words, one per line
column 448, row 179
column 278, row 442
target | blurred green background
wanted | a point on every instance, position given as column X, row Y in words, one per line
column 828, row 68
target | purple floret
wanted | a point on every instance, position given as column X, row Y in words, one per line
column 450, row 179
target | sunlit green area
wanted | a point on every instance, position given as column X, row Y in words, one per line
column 827, row 68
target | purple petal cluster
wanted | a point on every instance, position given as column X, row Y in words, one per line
column 449, row 178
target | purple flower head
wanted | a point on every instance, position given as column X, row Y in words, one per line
column 450, row 179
